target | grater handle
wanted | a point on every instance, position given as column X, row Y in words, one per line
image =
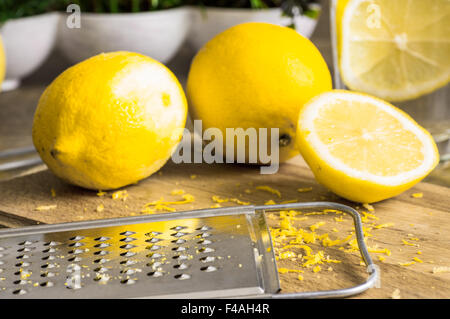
column 373, row 269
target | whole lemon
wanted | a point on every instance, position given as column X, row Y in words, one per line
column 256, row 75
column 2, row 63
column 110, row 120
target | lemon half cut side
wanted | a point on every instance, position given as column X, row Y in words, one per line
column 362, row 148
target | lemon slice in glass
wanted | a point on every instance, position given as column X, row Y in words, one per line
column 396, row 50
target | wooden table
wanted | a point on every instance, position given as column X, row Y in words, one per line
column 412, row 224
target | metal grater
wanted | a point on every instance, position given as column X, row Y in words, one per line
column 210, row 253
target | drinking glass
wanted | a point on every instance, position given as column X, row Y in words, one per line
column 399, row 51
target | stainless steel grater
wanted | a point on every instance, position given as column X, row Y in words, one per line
column 210, row 253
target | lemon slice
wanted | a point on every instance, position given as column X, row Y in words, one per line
column 362, row 148
column 397, row 50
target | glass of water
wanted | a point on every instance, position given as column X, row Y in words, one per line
column 398, row 51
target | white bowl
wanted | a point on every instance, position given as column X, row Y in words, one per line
column 158, row 34
column 27, row 42
column 207, row 22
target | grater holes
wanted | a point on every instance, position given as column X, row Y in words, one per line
column 128, row 246
column 77, row 251
column 128, row 254
column 101, row 261
column 155, row 273
column 51, row 257
column 128, row 281
column 181, row 257
column 182, row 276
column 179, row 248
column 26, row 243
column 128, row 239
column 77, row 238
column 204, row 241
column 48, row 274
column 208, row 268
column 49, row 266
column 204, row 235
column 101, row 253
column 74, row 259
column 102, row 238
column 76, row 244
column 153, row 240
column 204, row 228
column 129, row 271
column 128, row 262
column 101, row 269
column 25, row 249
column 179, row 241
column 178, row 228
column 155, row 264
column 23, row 264
column 20, row 292
column 49, row 250
column 46, row 284
column 206, row 250
column 102, row 245
column 153, row 247
column 102, row 278
column 51, row 243
column 179, row 234
column 24, row 256
column 181, row 266
column 207, row 259
column 127, row 233
column 20, row 282
column 23, row 273
column 153, row 233
column 154, row 255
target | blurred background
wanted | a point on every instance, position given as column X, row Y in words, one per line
column 43, row 37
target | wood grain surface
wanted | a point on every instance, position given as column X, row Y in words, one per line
column 425, row 219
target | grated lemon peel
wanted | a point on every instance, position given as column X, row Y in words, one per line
column 45, row 207
column 304, row 189
column 123, row 195
column 218, row 199
column 161, row 205
column 269, row 189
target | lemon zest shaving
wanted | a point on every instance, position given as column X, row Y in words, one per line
column 384, row 225
column 45, row 207
column 123, row 195
column 269, row 189
column 304, row 189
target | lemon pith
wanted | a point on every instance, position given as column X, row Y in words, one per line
column 396, row 50
column 363, row 148
column 256, row 75
column 110, row 120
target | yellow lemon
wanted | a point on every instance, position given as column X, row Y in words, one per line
column 256, row 75
column 110, row 120
column 397, row 50
column 362, row 148
column 2, row 63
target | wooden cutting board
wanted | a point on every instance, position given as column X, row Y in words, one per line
column 422, row 222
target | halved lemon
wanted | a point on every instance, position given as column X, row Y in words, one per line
column 362, row 148
column 396, row 50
